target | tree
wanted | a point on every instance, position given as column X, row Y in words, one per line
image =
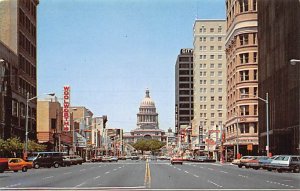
column 148, row 145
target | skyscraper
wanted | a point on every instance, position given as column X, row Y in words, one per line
column 18, row 60
column 242, row 78
column 209, row 83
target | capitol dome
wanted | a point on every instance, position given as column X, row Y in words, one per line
column 147, row 101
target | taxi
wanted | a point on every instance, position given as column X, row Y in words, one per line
column 16, row 164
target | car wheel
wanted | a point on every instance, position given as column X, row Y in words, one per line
column 279, row 170
column 269, row 169
column 296, row 169
column 56, row 165
column 247, row 166
column 240, row 166
column 24, row 169
column 15, row 170
column 36, row 166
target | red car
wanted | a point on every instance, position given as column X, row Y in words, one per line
column 176, row 160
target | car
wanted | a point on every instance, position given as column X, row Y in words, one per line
column 255, row 162
column 265, row 163
column 46, row 159
column 97, row 159
column 78, row 159
column 122, row 158
column 176, row 160
column 67, row 161
column 135, row 158
column 244, row 160
column 106, row 159
column 114, row 159
column 14, row 164
column 285, row 163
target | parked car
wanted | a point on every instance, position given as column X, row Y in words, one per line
column 114, row 159
column 265, row 163
column 97, row 159
column 14, row 164
column 78, row 159
column 46, row 159
column 256, row 162
column 135, row 158
column 176, row 160
column 285, row 163
column 122, row 158
column 244, row 160
column 106, row 159
column 67, row 161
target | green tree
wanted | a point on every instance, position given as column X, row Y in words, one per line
column 33, row 146
column 148, row 145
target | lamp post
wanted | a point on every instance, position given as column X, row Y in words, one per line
column 237, row 136
column 294, row 62
column 267, row 118
column 26, row 121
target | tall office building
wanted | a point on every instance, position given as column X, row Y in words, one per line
column 18, row 62
column 242, row 78
column 209, row 83
column 183, row 89
column 277, row 76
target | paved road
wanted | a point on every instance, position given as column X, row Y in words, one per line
column 140, row 175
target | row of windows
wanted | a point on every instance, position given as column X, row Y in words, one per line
column 25, row 87
column 211, row 73
column 244, row 110
column 212, row 98
column 212, row 123
column 27, row 45
column 211, row 48
column 212, row 90
column 211, row 106
column 185, row 59
column 186, row 92
column 186, row 79
column 212, row 82
column 186, row 65
column 31, row 7
column 185, row 72
column 244, row 128
column 24, row 21
column 186, row 99
column 212, row 65
column 186, row 112
column 211, row 39
column 211, row 30
column 19, row 109
column 212, row 57
column 244, row 58
column 186, row 105
column 27, row 67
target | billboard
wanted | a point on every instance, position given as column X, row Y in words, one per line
column 66, row 108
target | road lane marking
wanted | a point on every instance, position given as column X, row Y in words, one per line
column 13, row 185
column 48, row 177
column 196, row 176
column 179, row 169
column 80, row 184
column 215, row 184
column 96, row 177
column 147, row 179
column 224, row 171
column 210, row 169
column 186, row 171
column 99, row 166
column 115, row 169
column 82, row 170
column 279, row 184
column 120, row 167
column 243, row 176
column 67, row 172
column 107, row 172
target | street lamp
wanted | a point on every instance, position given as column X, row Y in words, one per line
column 267, row 118
column 294, row 62
column 26, row 120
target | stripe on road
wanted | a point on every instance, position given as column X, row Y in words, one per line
column 96, row 177
column 48, row 177
column 67, row 172
column 215, row 184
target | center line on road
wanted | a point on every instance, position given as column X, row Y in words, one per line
column 196, row 176
column 82, row 169
column 107, row 172
column 186, row 172
column 48, row 177
column 96, row 177
column 67, row 172
column 224, row 172
column 243, row 176
column 215, row 184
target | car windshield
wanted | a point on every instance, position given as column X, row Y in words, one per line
column 150, row 95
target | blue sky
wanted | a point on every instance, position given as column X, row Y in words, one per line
column 110, row 51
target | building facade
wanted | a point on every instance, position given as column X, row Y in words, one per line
column 49, row 126
column 242, row 78
column 277, row 76
column 147, row 123
column 184, row 112
column 209, row 72
column 18, row 61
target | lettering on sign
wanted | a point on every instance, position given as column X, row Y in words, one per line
column 66, row 108
column 186, row 51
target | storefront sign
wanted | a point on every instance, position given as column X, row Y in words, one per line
column 66, row 108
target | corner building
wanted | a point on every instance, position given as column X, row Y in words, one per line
column 242, row 78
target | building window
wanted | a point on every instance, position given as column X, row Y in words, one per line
column 244, row 75
column 211, row 30
column 219, row 29
column 219, row 73
column 255, row 109
column 255, row 127
column 255, row 75
column 212, row 38
column 212, row 123
column 220, row 82
column 212, row 90
column 220, row 90
column 255, row 57
column 212, row 98
column 220, row 57
column 212, row 47
column 255, row 91
column 219, row 47
column 244, row 109
column 244, row 58
column 220, row 98
column 254, row 5
column 219, row 65
column 212, row 115
column 219, row 39
column 244, row 92
column 212, row 65
column 212, row 74
column 212, row 82
column 220, row 114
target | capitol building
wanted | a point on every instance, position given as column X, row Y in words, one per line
column 147, row 123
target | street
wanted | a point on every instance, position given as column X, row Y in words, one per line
column 135, row 175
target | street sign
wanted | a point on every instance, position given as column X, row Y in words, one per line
column 249, row 147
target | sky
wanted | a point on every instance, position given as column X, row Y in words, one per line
column 111, row 51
